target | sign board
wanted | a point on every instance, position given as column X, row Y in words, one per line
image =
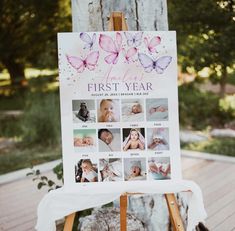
column 119, row 107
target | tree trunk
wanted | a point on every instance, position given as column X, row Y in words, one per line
column 16, row 71
column 145, row 15
column 223, row 81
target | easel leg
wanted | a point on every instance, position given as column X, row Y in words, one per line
column 123, row 208
column 174, row 213
column 68, row 226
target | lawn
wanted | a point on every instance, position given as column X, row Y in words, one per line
column 221, row 146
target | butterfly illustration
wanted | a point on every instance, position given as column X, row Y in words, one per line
column 89, row 41
column 133, row 39
column 111, row 46
column 80, row 64
column 156, row 40
column 159, row 65
column 129, row 53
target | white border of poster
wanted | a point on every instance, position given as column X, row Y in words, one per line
column 119, row 108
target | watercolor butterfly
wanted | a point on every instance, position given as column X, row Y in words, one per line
column 111, row 46
column 156, row 40
column 129, row 54
column 80, row 64
column 133, row 40
column 159, row 65
column 89, row 41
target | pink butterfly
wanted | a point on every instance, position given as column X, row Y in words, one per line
column 111, row 46
column 129, row 53
column 80, row 64
column 156, row 40
column 133, row 39
column 88, row 40
column 159, row 65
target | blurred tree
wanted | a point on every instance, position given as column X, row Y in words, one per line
column 28, row 34
column 206, row 35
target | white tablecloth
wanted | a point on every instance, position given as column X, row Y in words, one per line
column 61, row 202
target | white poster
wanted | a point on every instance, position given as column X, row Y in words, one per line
column 119, row 108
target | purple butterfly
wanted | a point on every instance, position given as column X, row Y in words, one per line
column 159, row 65
column 133, row 39
column 89, row 41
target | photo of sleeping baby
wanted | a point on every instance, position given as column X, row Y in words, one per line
column 110, row 169
column 84, row 111
column 159, row 168
column 108, row 110
column 109, row 140
column 158, row 139
column 86, row 171
column 132, row 110
column 133, row 139
column 157, row 109
column 84, row 140
column 135, row 169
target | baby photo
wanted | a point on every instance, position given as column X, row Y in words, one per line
column 109, row 140
column 108, row 110
column 135, row 169
column 84, row 111
column 158, row 139
column 133, row 139
column 159, row 168
column 110, row 169
column 132, row 110
column 86, row 171
column 157, row 109
column 84, row 140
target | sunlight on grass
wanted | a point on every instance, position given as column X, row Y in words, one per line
column 221, row 146
column 34, row 73
column 29, row 73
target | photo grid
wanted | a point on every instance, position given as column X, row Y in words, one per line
column 114, row 128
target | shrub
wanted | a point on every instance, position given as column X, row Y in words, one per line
column 199, row 110
column 41, row 120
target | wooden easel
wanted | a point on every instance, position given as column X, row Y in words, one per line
column 117, row 22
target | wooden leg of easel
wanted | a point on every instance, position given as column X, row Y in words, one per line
column 69, row 222
column 123, row 207
column 175, row 216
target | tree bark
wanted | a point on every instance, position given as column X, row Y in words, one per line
column 16, row 71
column 223, row 81
column 93, row 15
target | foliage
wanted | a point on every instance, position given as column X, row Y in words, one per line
column 41, row 120
column 227, row 104
column 199, row 110
column 28, row 33
column 205, row 36
column 44, row 181
column 223, row 146
column 23, row 156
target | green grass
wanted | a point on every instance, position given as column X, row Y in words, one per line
column 21, row 157
column 221, row 146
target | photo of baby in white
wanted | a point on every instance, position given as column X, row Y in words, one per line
column 86, row 171
column 108, row 110
column 84, row 111
column 158, row 139
column 133, row 138
column 132, row 110
column 135, row 169
column 159, row 168
column 84, row 140
column 109, row 140
column 110, row 169
column 157, row 109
